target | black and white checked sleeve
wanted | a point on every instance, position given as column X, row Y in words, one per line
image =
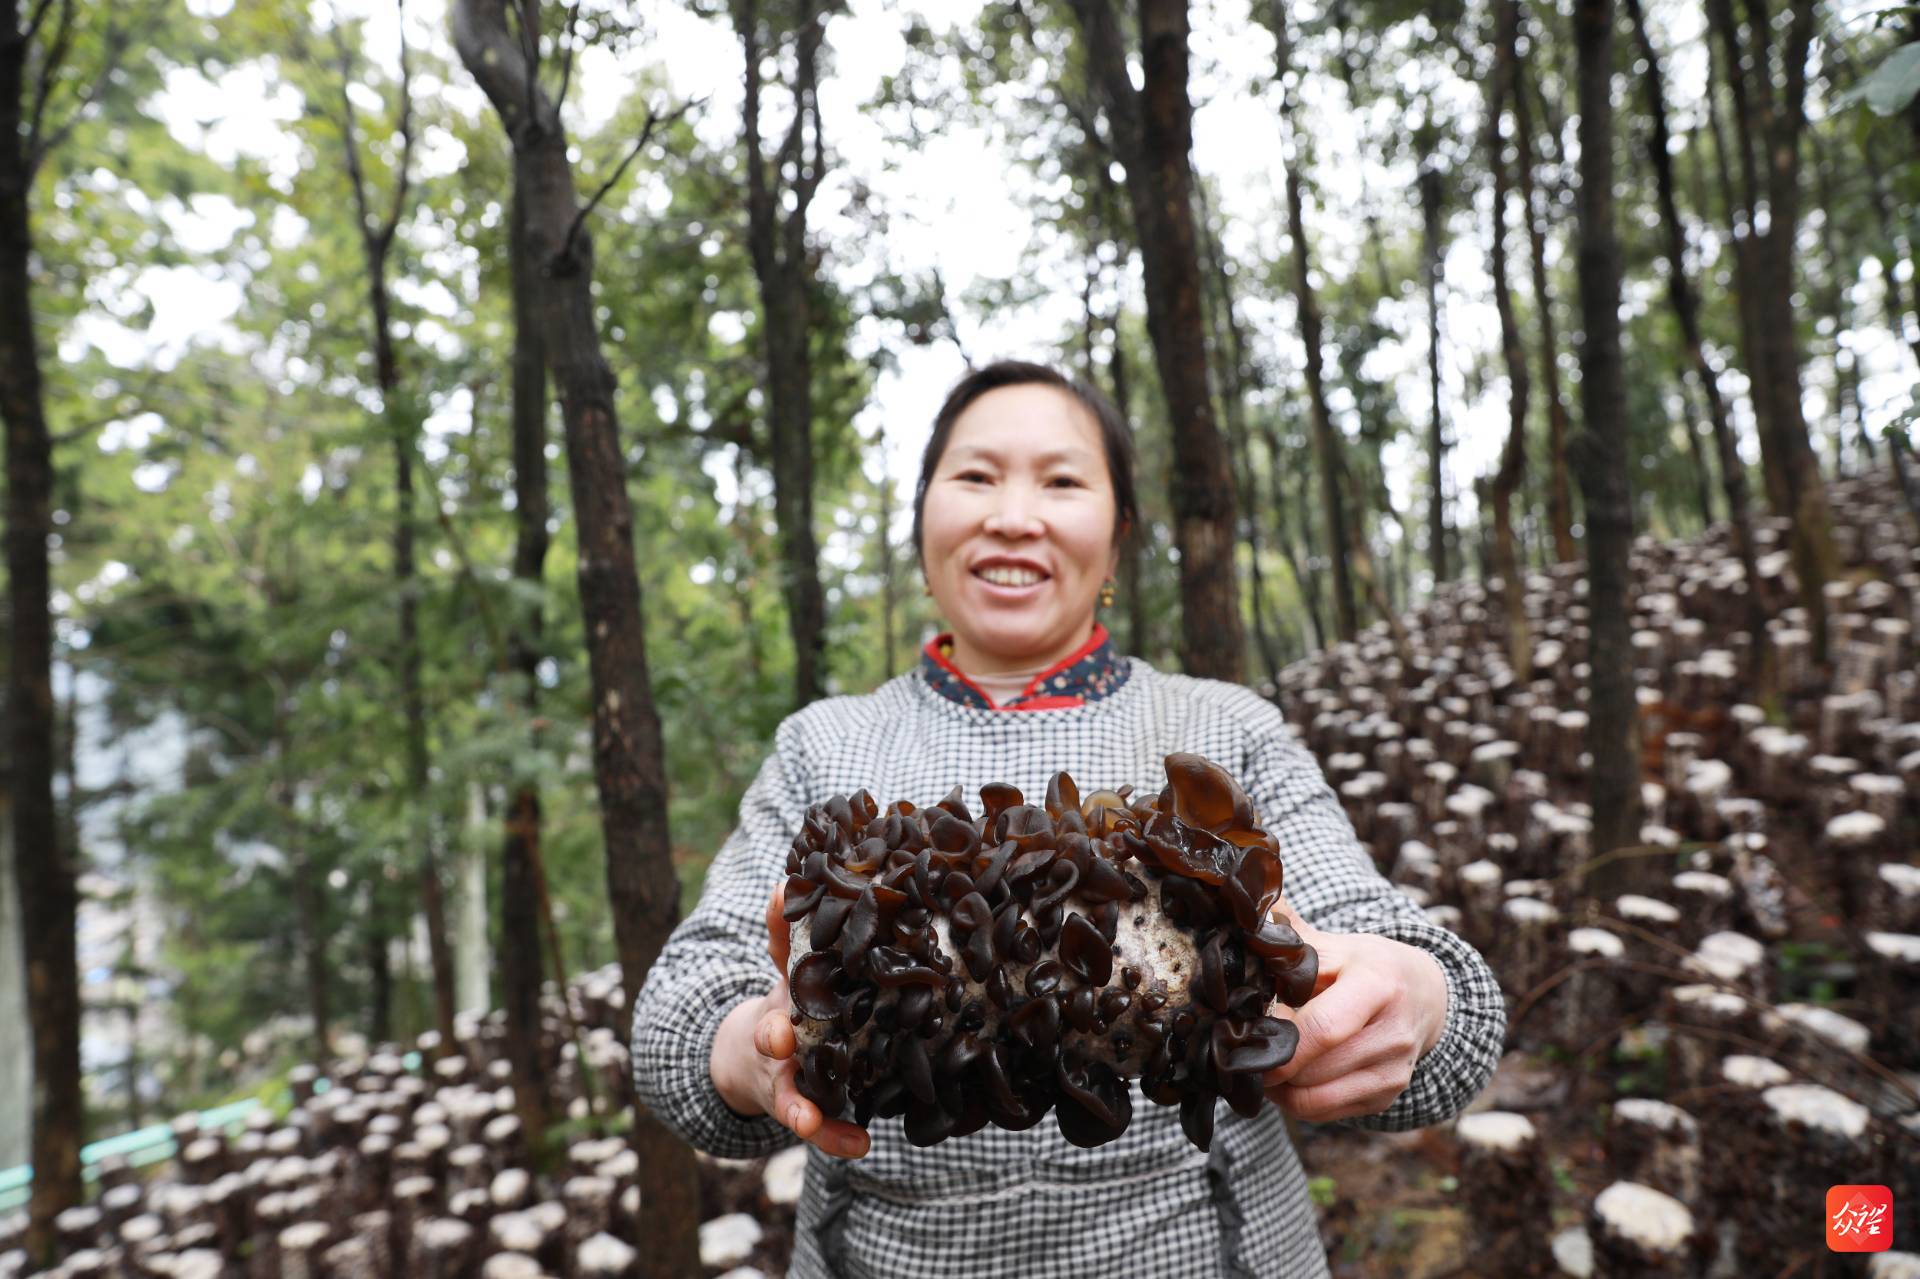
column 715, row 960
column 1331, row 881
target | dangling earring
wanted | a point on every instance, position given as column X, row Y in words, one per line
column 1106, row 594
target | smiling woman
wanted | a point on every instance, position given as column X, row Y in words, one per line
column 1024, row 499
column 1025, row 495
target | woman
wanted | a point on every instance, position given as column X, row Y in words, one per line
column 1025, row 496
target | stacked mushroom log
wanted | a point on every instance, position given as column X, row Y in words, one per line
column 959, row 971
column 1775, row 914
column 381, row 1169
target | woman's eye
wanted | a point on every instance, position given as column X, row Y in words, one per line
column 1063, row 481
column 972, row 477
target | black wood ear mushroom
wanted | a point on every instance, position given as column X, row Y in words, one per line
column 959, row 970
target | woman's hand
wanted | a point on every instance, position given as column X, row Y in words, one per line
column 753, row 1065
column 1379, row 1006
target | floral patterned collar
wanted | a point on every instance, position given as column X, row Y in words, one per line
column 1089, row 673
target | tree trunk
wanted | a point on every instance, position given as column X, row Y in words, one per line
column 1153, row 134
column 1686, row 307
column 1513, row 458
column 1430, row 209
column 16, row 1051
column 1559, row 487
column 472, row 954
column 1601, row 466
column 1343, row 62
column 1299, row 562
column 379, row 968
column 1229, row 350
column 313, row 951
column 376, row 239
column 1132, row 570
column 1702, row 472
column 1326, row 442
column 49, row 896
column 1772, row 120
column 1893, row 247
column 784, row 272
column 889, row 573
column 1843, row 404
column 520, row 862
column 629, row 761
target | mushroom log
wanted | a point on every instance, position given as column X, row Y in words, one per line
column 959, row 970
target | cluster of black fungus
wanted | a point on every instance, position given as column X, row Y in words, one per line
column 959, row 970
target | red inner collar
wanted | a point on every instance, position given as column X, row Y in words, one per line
column 938, row 647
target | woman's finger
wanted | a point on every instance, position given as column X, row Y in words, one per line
column 1327, row 946
column 833, row 1136
column 779, row 938
column 1365, row 1052
column 773, row 1036
column 1366, row 1092
column 1326, row 1023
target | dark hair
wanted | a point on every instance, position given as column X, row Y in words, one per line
column 1116, row 437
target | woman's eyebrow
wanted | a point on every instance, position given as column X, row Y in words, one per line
column 1070, row 454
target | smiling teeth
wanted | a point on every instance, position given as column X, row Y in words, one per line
column 1011, row 576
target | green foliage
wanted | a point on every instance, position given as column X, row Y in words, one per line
column 1890, row 87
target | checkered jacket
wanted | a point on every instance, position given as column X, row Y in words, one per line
column 1007, row 1203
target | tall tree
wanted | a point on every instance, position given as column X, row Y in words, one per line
column 378, row 228
column 1600, row 464
column 1768, row 119
column 1686, row 308
column 522, row 876
column 629, row 759
column 1235, row 381
column 1535, row 206
column 1150, row 129
column 33, row 47
column 778, row 197
column 1432, row 218
column 1513, row 457
column 1326, row 439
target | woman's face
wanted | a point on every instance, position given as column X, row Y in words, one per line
column 1017, row 533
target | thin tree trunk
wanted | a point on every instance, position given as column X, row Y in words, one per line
column 1343, row 61
column 16, row 1051
column 1229, row 352
column 46, row 878
column 1326, row 443
column 1132, row 568
column 1513, row 458
column 1702, row 472
column 1152, row 132
column 379, row 969
column 520, row 889
column 1559, row 487
column 1733, row 475
column 889, row 574
column 1430, row 210
column 1839, row 306
column 377, row 232
column 629, row 760
column 777, row 235
column 1601, row 467
column 1305, row 580
column 1772, row 120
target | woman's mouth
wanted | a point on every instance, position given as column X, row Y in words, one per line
column 1006, row 581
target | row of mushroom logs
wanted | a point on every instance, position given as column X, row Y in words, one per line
column 1465, row 780
column 381, row 1173
column 1737, row 1189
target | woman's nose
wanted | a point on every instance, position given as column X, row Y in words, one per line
column 1014, row 514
